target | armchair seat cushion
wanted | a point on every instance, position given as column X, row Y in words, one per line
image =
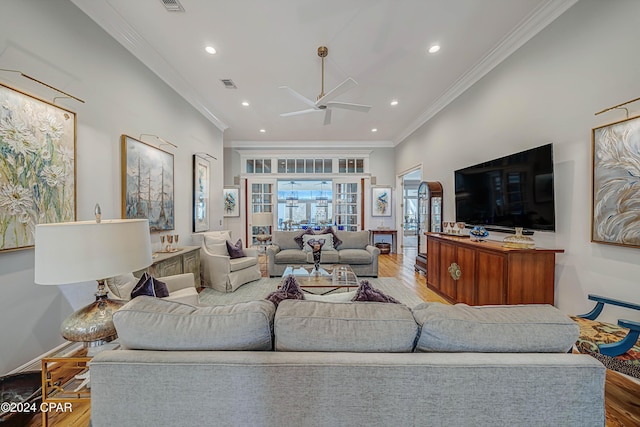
column 184, row 296
column 330, row 256
column 238, row 264
column 355, row 256
column 291, row 256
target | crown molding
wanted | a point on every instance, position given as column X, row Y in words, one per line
column 114, row 24
column 531, row 25
column 305, row 145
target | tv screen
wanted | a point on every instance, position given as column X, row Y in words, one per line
column 512, row 191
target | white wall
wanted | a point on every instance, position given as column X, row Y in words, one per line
column 56, row 43
column 548, row 91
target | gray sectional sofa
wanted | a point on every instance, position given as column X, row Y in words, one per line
column 316, row 363
column 354, row 250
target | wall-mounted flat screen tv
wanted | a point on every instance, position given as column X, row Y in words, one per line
column 512, row 191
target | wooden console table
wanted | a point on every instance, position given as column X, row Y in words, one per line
column 480, row 273
column 381, row 232
column 186, row 260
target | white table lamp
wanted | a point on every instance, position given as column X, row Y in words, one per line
column 75, row 252
column 262, row 219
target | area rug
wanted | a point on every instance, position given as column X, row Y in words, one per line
column 594, row 333
column 261, row 288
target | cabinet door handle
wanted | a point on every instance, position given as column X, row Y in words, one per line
column 454, row 271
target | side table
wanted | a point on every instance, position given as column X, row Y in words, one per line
column 383, row 232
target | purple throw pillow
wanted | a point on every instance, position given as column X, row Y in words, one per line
column 366, row 292
column 235, row 251
column 289, row 290
column 150, row 286
column 299, row 240
column 336, row 241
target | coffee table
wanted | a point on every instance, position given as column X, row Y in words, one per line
column 328, row 279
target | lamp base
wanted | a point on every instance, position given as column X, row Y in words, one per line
column 92, row 324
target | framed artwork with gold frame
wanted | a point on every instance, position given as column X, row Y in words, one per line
column 615, row 185
column 147, row 184
column 37, row 166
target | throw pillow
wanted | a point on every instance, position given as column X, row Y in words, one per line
column 150, row 286
column 336, row 239
column 289, row 290
column 366, row 292
column 299, row 238
column 328, row 242
column 235, row 251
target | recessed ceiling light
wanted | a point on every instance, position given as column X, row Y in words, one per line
column 374, row 130
column 394, row 103
column 263, row 130
column 245, row 103
column 210, row 49
column 434, row 48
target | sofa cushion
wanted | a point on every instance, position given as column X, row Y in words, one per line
column 237, row 264
column 299, row 239
column 353, row 239
column 285, row 239
column 290, row 289
column 332, row 297
column 351, row 327
column 235, row 249
column 147, row 323
column 326, row 257
column 327, row 246
column 366, row 292
column 150, row 286
column 122, row 285
column 291, row 256
column 494, row 329
column 336, row 240
column 355, row 256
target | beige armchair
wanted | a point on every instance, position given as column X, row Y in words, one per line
column 219, row 271
column 181, row 287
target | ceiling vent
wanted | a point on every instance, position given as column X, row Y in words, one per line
column 229, row 84
column 172, row 5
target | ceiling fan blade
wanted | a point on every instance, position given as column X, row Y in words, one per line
column 327, row 117
column 297, row 113
column 348, row 106
column 299, row 97
column 337, row 91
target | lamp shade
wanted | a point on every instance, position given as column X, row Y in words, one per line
column 262, row 219
column 72, row 252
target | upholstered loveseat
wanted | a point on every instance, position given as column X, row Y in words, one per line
column 350, row 247
column 315, row 363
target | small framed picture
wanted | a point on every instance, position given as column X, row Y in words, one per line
column 381, row 201
column 231, row 199
column 200, row 194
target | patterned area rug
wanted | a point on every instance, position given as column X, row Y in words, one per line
column 261, row 288
column 594, row 333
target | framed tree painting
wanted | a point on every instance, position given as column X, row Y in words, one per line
column 381, row 201
column 615, row 189
column 147, row 184
column 37, row 166
column 200, row 194
column 231, row 202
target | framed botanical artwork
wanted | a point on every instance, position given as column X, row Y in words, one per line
column 200, row 194
column 231, row 202
column 381, row 201
column 615, row 188
column 37, row 166
column 147, row 184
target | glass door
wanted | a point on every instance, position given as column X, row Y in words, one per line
column 346, row 198
column 261, row 210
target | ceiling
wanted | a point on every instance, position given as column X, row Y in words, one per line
column 262, row 45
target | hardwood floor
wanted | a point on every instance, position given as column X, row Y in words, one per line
column 622, row 395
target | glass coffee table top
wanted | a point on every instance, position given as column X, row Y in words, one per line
column 328, row 279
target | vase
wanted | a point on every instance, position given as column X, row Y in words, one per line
column 519, row 241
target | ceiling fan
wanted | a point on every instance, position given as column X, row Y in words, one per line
column 324, row 101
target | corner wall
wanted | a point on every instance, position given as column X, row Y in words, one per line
column 548, row 91
column 56, row 43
